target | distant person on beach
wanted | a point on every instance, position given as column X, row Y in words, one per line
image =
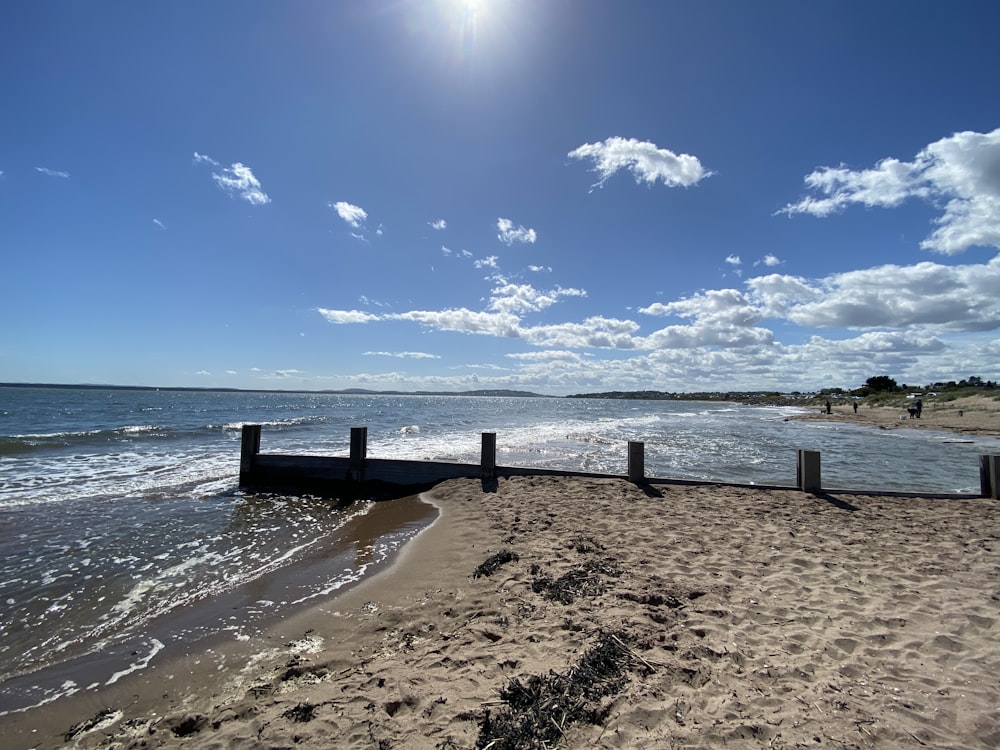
column 828, row 411
column 855, row 407
column 920, row 407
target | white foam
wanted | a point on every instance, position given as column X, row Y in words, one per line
column 66, row 689
column 155, row 648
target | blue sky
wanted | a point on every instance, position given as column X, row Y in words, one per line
column 548, row 195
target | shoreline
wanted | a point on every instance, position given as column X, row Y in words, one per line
column 195, row 663
column 747, row 617
column 974, row 415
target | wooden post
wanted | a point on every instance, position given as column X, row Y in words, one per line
column 636, row 461
column 359, row 451
column 807, row 472
column 488, row 459
column 989, row 476
column 249, row 448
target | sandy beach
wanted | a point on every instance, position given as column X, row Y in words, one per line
column 973, row 415
column 607, row 614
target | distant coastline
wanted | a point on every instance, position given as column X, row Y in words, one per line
column 746, row 397
column 343, row 392
column 772, row 398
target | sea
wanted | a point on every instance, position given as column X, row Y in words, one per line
column 124, row 534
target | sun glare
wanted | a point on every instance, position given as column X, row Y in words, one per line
column 469, row 35
column 466, row 17
column 470, row 23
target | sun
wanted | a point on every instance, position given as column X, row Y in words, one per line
column 468, row 34
column 468, row 16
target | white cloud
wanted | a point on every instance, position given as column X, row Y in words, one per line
column 365, row 300
column 592, row 333
column 962, row 172
column 287, row 373
column 540, row 269
column 520, row 298
column 239, row 179
column 550, row 355
column 159, row 223
column 769, row 260
column 355, row 216
column 202, row 159
column 439, row 224
column 703, row 334
column 462, row 320
column 508, row 234
column 52, row 172
column 489, row 261
column 645, row 160
column 402, row 355
column 346, row 316
column 733, row 260
column 916, row 322
column 496, row 368
column 203, row 373
column 776, row 293
column 720, row 307
column 927, row 295
column 231, row 372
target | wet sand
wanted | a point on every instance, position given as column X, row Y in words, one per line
column 715, row 616
column 199, row 645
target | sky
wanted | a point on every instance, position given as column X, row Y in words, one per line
column 556, row 196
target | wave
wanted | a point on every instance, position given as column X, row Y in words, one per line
column 12, row 445
column 279, row 423
column 15, row 445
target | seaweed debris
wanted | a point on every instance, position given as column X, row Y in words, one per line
column 101, row 718
column 301, row 712
column 585, row 544
column 493, row 563
column 541, row 708
column 584, row 580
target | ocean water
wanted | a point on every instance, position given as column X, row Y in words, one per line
column 120, row 513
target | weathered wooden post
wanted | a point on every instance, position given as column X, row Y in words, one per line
column 807, row 473
column 989, row 476
column 359, row 451
column 636, row 461
column 488, row 456
column 249, row 448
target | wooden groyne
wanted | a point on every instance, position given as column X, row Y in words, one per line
column 357, row 474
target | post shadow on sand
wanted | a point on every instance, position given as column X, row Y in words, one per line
column 836, row 501
column 649, row 490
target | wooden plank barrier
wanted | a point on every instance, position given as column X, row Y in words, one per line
column 359, row 452
column 989, row 476
column 335, row 475
column 808, row 471
column 488, row 456
column 249, row 448
column 636, row 462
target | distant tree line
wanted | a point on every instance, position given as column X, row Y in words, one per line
column 877, row 385
column 883, row 384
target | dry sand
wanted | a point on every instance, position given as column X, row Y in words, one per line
column 973, row 415
column 746, row 618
